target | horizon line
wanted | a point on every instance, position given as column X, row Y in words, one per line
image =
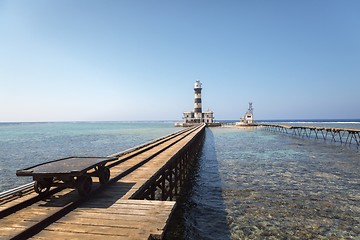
column 221, row 120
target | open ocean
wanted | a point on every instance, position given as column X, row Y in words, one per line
column 248, row 183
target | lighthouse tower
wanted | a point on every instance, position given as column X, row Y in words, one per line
column 197, row 116
column 197, row 102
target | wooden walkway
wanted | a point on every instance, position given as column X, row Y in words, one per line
column 113, row 212
column 340, row 135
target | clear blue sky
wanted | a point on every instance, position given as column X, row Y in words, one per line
column 138, row 60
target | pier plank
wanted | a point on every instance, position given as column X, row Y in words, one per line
column 131, row 219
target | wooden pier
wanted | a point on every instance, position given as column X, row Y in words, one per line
column 339, row 135
column 130, row 206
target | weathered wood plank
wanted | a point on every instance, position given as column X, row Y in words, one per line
column 54, row 235
column 133, row 219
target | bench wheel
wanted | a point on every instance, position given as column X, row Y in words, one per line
column 104, row 175
column 84, row 184
column 42, row 187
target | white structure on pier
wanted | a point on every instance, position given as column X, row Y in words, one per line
column 197, row 116
column 248, row 118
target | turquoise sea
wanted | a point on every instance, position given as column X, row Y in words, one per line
column 26, row 144
column 248, row 183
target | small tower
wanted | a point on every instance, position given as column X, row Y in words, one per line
column 197, row 103
column 248, row 119
column 250, row 109
column 249, row 116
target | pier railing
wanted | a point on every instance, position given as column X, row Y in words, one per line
column 16, row 192
column 339, row 135
column 167, row 183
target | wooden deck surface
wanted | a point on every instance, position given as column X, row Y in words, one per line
column 14, row 224
column 122, row 219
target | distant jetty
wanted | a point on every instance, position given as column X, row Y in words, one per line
column 340, row 135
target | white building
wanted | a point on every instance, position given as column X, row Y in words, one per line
column 248, row 118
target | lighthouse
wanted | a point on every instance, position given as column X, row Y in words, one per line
column 198, row 116
column 197, row 102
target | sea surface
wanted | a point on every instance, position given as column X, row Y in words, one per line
column 248, row 183
column 26, row 144
column 255, row 184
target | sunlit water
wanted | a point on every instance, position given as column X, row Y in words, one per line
column 26, row 144
column 254, row 184
column 247, row 184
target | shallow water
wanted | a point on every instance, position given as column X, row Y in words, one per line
column 273, row 186
column 25, row 144
column 247, row 184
